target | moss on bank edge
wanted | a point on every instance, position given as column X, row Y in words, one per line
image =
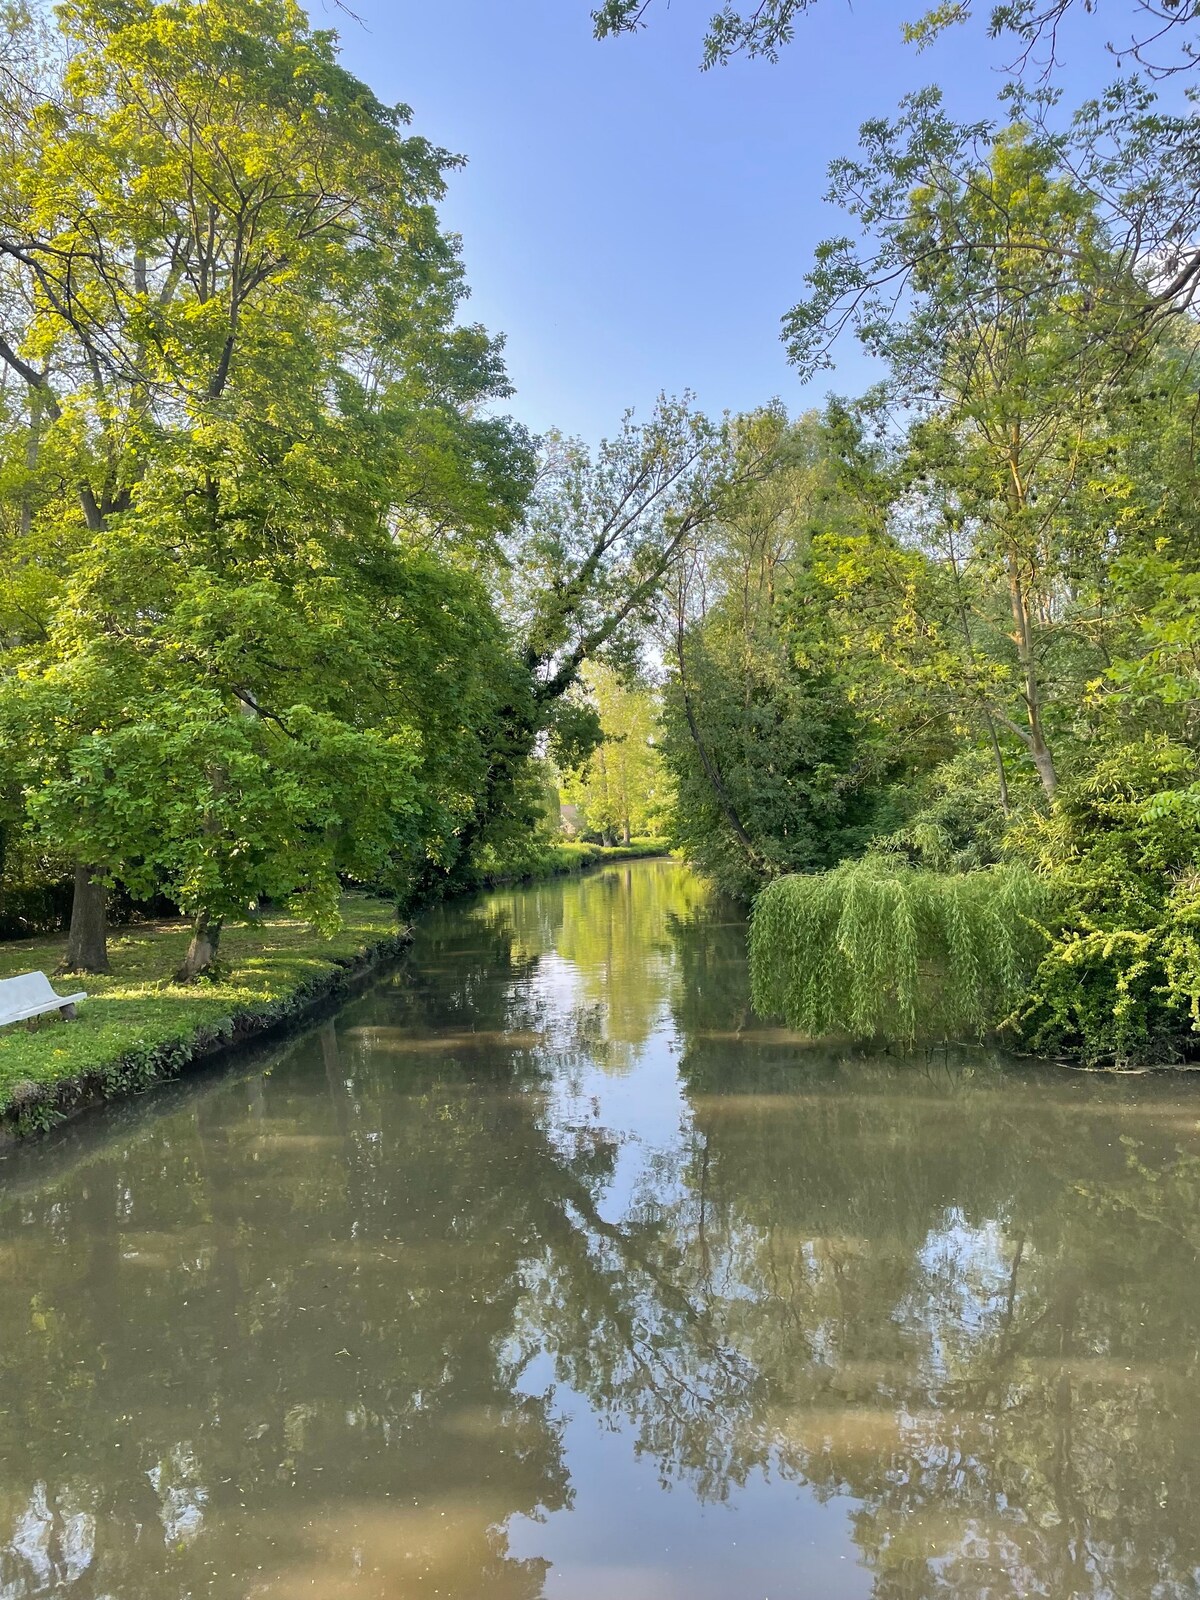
column 137, row 1026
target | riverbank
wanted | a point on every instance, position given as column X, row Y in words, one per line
column 557, row 860
column 137, row 1026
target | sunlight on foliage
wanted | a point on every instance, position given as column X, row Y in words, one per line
column 876, row 948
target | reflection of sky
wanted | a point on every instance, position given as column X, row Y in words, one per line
column 963, row 1280
column 842, row 1323
column 57, row 1545
column 183, row 1498
column 641, row 1108
column 624, row 1538
column 643, row 1112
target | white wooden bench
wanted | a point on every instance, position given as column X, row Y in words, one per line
column 30, row 995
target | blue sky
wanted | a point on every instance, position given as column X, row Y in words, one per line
column 631, row 223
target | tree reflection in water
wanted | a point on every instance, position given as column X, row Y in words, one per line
column 327, row 1326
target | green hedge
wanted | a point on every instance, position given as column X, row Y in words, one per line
column 29, row 909
column 553, row 860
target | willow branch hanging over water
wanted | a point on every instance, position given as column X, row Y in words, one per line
column 879, row 948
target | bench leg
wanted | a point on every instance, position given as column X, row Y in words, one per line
column 68, row 1012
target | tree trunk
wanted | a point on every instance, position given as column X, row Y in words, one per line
column 964, row 620
column 1043, row 760
column 33, row 445
column 202, row 952
column 625, row 832
column 1039, row 750
column 1001, row 774
column 87, row 942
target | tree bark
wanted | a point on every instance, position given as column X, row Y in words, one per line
column 33, row 444
column 964, row 620
column 87, row 942
column 998, row 754
column 1043, row 760
column 1039, row 750
column 202, row 951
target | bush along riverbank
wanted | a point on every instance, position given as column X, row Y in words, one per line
column 137, row 1026
column 555, row 860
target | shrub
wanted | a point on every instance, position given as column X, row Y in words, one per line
column 878, row 947
column 1120, row 985
column 27, row 909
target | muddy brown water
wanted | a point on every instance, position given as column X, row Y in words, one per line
column 547, row 1269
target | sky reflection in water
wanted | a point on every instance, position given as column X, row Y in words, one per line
column 546, row 1269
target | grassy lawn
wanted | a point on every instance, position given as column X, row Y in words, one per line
column 136, row 1024
column 136, row 1009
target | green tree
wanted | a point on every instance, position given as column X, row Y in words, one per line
column 620, row 789
column 1120, row 983
column 230, row 299
column 1007, row 346
column 773, row 766
column 584, row 572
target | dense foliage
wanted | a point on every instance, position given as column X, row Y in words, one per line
column 619, row 791
column 280, row 608
column 954, row 624
column 287, row 605
column 1122, row 980
column 246, row 475
column 878, row 948
column 775, row 767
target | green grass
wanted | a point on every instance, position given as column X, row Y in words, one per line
column 137, row 1025
column 136, row 1013
column 555, row 859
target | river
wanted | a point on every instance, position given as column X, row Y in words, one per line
column 545, row 1269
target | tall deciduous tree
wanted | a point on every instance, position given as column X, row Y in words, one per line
column 621, row 788
column 774, row 768
column 228, row 299
column 603, row 530
column 584, row 571
column 1006, row 345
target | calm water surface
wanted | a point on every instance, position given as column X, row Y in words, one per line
column 546, row 1270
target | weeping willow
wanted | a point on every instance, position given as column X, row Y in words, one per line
column 880, row 948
